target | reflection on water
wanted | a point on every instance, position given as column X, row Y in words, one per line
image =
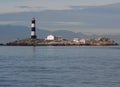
column 34, row 51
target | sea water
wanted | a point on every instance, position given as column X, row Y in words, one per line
column 60, row 66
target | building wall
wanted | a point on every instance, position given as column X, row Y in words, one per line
column 83, row 41
column 76, row 39
column 50, row 37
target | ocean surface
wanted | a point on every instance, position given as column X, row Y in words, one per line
column 60, row 66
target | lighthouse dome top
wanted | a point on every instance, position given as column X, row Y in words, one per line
column 33, row 18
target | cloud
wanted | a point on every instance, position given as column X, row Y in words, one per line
column 10, row 22
column 61, row 25
column 77, row 7
column 28, row 7
column 69, row 23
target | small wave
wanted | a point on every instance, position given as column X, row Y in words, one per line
column 114, row 47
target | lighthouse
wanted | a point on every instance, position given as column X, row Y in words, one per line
column 33, row 31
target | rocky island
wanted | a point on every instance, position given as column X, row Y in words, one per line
column 64, row 42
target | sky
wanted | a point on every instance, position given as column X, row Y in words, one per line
column 13, row 6
column 7, row 6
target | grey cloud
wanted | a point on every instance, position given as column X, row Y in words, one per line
column 41, row 7
column 24, row 7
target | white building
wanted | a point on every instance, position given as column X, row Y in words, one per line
column 76, row 39
column 83, row 41
column 52, row 37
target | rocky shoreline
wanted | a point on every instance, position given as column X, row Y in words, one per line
column 43, row 42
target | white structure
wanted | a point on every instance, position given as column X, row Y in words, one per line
column 52, row 37
column 82, row 41
column 76, row 39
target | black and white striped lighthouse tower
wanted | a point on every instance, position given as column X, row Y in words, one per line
column 33, row 31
